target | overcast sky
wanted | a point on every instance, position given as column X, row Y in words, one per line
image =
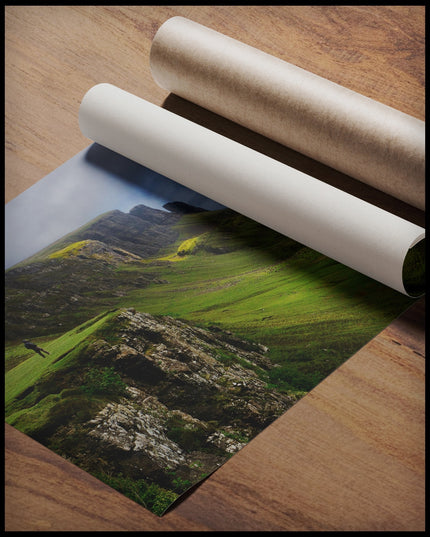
column 93, row 182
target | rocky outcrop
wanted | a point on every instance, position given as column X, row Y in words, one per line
column 142, row 231
column 138, row 425
column 193, row 394
column 210, row 373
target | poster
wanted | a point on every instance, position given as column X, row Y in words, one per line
column 151, row 333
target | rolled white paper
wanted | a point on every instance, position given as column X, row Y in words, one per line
column 361, row 137
column 347, row 229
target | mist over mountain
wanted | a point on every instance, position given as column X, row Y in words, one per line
column 76, row 275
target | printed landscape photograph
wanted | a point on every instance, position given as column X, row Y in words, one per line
column 151, row 333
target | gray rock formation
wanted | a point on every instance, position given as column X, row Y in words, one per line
column 193, row 395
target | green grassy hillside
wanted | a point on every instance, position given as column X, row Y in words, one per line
column 310, row 311
column 33, row 369
column 190, row 335
column 223, row 270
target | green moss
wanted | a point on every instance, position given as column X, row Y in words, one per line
column 228, row 359
column 150, row 495
column 104, row 381
column 36, row 419
column 188, row 246
column 225, row 357
column 189, row 436
column 67, row 251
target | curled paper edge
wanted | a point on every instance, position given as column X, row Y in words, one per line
column 340, row 226
column 363, row 138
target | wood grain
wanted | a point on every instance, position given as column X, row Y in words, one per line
column 348, row 456
column 45, row 492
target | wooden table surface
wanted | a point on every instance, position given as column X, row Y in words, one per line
column 350, row 454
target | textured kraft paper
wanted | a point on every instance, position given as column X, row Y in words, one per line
column 347, row 229
column 358, row 136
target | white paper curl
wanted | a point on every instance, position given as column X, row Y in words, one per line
column 347, row 229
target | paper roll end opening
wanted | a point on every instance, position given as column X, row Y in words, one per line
column 413, row 273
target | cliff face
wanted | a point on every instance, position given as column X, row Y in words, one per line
column 193, row 398
column 76, row 275
column 209, row 374
column 148, row 399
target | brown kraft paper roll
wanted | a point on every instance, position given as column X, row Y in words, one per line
column 354, row 134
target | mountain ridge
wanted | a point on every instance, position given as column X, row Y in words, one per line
column 119, row 229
